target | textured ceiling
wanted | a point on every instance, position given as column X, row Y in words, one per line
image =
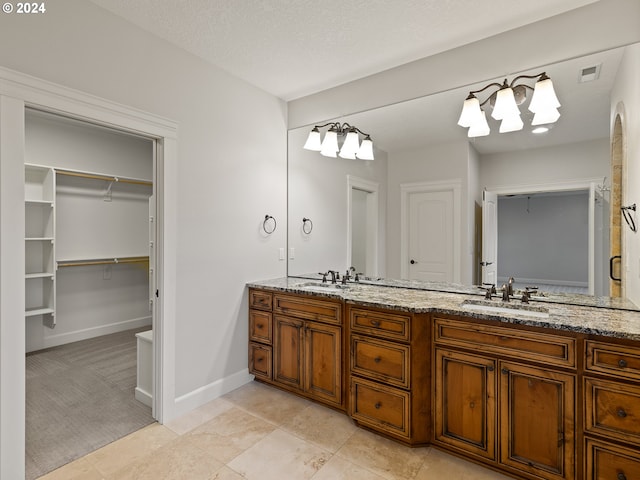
column 292, row 48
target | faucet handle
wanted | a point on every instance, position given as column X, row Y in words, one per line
column 505, row 292
column 324, row 276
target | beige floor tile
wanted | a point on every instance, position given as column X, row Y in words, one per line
column 384, row 457
column 340, row 469
column 229, row 434
column 197, row 417
column 129, row 449
column 177, row 460
column 438, row 465
column 267, row 402
column 80, row 469
column 322, row 426
column 279, row 456
column 225, row 473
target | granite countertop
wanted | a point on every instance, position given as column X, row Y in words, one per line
column 594, row 320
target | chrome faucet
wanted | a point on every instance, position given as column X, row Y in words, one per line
column 510, row 286
column 505, row 292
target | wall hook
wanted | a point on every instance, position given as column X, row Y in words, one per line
column 267, row 226
column 307, row 225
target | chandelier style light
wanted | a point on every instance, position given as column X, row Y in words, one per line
column 505, row 100
column 351, row 146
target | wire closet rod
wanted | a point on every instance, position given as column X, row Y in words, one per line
column 109, row 178
column 102, row 261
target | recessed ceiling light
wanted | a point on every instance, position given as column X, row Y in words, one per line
column 540, row 130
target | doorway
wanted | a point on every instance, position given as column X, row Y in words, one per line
column 362, row 227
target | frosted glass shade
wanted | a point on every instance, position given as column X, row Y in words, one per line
column 470, row 112
column 329, row 146
column 313, row 141
column 544, row 97
column 480, row 128
column 350, row 146
column 366, row 149
column 505, row 106
column 512, row 123
column 544, row 117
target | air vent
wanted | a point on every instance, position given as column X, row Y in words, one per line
column 589, row 74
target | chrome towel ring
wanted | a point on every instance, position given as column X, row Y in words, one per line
column 269, row 225
column 307, row 225
column 628, row 216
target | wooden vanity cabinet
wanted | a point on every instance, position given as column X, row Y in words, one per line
column 303, row 349
column 389, row 373
column 491, row 402
column 611, row 387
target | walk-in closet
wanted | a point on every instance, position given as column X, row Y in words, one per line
column 89, row 286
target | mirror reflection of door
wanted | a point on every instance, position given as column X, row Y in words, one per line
column 489, row 262
column 431, row 236
column 363, row 226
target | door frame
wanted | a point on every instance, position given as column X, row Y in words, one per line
column 408, row 189
column 584, row 184
column 17, row 92
column 373, row 208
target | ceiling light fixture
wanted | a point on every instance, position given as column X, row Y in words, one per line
column 505, row 100
column 351, row 146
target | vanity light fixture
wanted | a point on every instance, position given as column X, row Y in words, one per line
column 352, row 148
column 505, row 100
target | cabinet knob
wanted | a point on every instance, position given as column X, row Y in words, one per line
column 505, row 371
column 621, row 476
column 377, row 359
column 622, row 363
column 378, row 405
column 375, row 323
column 622, row 413
column 491, row 368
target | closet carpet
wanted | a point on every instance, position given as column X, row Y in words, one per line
column 80, row 397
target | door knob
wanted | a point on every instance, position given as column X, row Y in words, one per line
column 413, row 262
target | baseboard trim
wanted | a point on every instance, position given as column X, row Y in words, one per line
column 144, row 397
column 77, row 335
column 192, row 400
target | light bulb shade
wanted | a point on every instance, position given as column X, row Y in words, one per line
column 366, row 149
column 470, row 112
column 480, row 128
column 512, row 123
column 329, row 147
column 544, row 97
column 351, row 145
column 505, row 106
column 313, row 141
column 545, row 117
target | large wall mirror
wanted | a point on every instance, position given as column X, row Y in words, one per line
column 415, row 212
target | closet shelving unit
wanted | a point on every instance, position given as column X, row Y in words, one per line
column 41, row 263
column 40, row 286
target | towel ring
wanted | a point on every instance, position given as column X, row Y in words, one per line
column 628, row 216
column 265, row 226
column 307, row 225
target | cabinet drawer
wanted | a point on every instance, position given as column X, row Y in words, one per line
column 606, row 461
column 308, row 308
column 384, row 408
column 260, row 360
column 260, row 326
column 611, row 359
column 382, row 324
column 612, row 409
column 509, row 341
column 380, row 360
column 261, row 300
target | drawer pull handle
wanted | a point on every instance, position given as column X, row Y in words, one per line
column 622, row 413
column 621, row 476
column 375, row 323
column 378, row 405
column 377, row 359
column 622, row 363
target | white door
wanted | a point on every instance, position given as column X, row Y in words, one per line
column 431, row 236
column 489, row 260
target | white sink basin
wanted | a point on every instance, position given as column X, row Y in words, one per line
column 517, row 309
column 323, row 287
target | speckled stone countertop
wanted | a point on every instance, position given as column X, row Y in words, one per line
column 594, row 320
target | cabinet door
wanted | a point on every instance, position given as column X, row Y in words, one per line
column 537, row 409
column 323, row 358
column 465, row 402
column 288, row 352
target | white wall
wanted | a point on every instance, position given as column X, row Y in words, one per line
column 625, row 99
column 231, row 171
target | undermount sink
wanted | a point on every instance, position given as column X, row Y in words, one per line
column 323, row 287
column 519, row 309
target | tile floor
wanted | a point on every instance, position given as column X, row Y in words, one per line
column 260, row 433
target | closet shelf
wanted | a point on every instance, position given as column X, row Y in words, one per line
column 32, row 312
column 39, row 275
column 102, row 261
column 35, row 201
column 39, row 239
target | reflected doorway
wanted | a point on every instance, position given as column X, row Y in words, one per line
column 362, row 235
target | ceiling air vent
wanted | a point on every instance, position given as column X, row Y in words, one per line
column 589, row 74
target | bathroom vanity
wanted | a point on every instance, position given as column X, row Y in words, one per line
column 546, row 390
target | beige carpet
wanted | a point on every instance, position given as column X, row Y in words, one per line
column 80, row 397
